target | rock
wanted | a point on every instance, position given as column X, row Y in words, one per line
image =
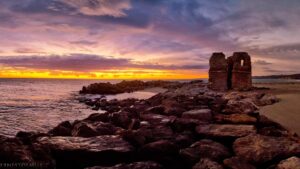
column 84, row 129
column 14, row 151
column 184, row 139
column 162, row 151
column 181, row 124
column 225, row 130
column 157, row 119
column 29, row 137
column 207, row 164
column 135, row 165
column 79, row 152
column 239, row 107
column 235, row 119
column 104, row 117
column 205, row 149
column 268, row 99
column 273, row 131
column 217, row 105
column 159, row 148
column 260, row 149
column 264, row 121
column 200, row 114
column 290, row 163
column 121, row 119
column 237, row 163
column 135, row 138
column 123, row 86
column 155, row 110
column 158, row 132
column 149, row 134
column 172, row 107
column 62, row 129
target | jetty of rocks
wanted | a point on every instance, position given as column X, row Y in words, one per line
column 188, row 126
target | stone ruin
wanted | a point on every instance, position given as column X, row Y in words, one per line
column 231, row 73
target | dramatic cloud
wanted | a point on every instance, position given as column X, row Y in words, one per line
column 113, row 8
column 177, row 34
column 84, row 63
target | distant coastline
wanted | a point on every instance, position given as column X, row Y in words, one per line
column 292, row 76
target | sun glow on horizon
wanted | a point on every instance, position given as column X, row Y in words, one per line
column 105, row 74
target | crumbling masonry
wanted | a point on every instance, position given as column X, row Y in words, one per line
column 231, row 73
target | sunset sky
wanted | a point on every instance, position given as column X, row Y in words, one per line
column 144, row 39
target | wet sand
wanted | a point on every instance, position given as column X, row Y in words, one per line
column 287, row 111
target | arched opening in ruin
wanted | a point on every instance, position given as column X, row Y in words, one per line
column 242, row 62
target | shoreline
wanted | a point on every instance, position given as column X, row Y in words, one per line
column 287, row 110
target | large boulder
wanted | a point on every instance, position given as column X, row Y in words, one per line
column 200, row 114
column 163, row 151
column 235, row 119
column 267, row 99
column 85, row 129
column 290, row 163
column 182, row 124
column 207, row 164
column 225, row 130
column 172, row 107
column 62, row 129
column 148, row 134
column 135, row 165
column 79, row 152
column 237, row 163
column 205, row 149
column 121, row 119
column 159, row 148
column 239, row 107
column 260, row 149
column 13, row 151
column 104, row 117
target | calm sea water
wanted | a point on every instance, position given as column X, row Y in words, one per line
column 40, row 104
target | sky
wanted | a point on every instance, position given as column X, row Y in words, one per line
column 144, row 39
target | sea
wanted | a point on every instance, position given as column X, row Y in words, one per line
column 40, row 104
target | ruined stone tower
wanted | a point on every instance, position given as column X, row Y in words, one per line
column 231, row 73
column 218, row 71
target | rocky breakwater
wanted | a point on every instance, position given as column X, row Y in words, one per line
column 185, row 127
column 125, row 86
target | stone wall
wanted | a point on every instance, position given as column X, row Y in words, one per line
column 231, row 73
column 241, row 72
column 218, row 72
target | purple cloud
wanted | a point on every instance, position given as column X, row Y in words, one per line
column 84, row 63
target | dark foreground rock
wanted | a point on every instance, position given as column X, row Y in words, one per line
column 225, row 130
column 78, row 152
column 205, row 149
column 13, row 152
column 136, row 165
column 238, row 163
column 207, row 164
column 261, row 149
column 290, row 163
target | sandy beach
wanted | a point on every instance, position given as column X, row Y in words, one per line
column 287, row 111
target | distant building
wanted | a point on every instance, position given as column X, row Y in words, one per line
column 231, row 73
